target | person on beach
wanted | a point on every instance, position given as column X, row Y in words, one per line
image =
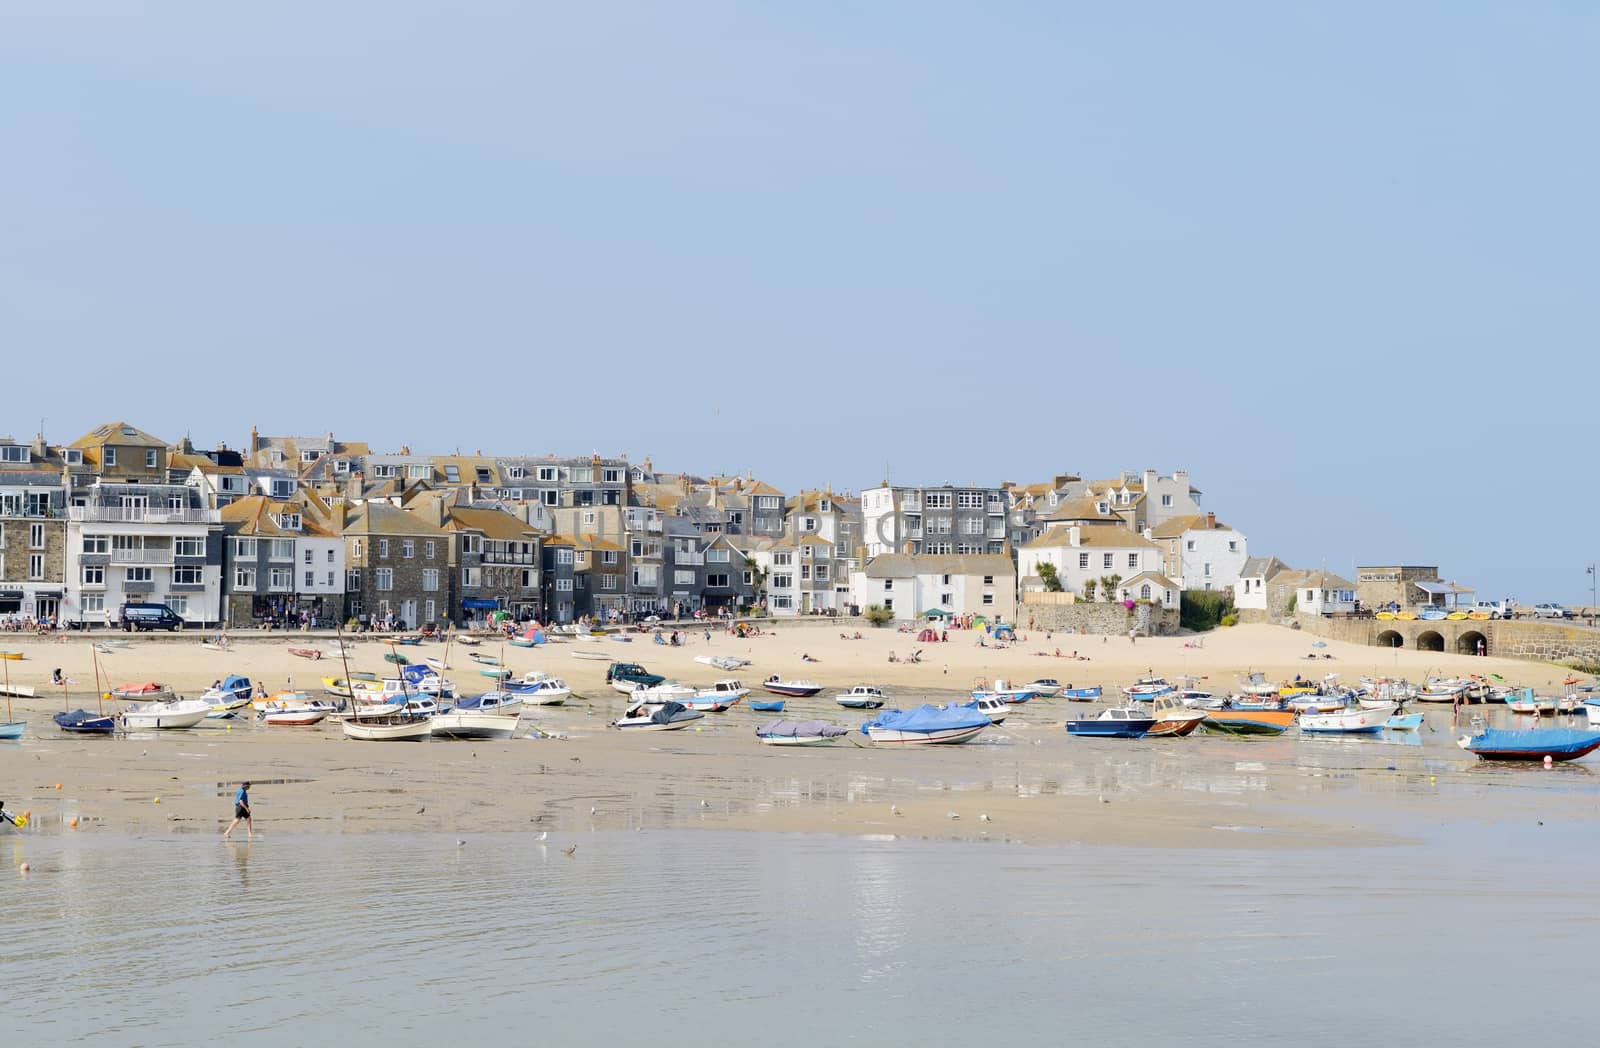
column 241, row 813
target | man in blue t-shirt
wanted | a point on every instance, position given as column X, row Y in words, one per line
column 241, row 813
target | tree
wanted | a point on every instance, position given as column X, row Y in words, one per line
column 1047, row 575
column 1088, row 589
column 1108, row 585
column 878, row 615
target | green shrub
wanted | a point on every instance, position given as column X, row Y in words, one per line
column 878, row 615
column 1203, row 609
column 1230, row 619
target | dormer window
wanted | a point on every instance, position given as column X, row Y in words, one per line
column 309, row 456
column 287, row 521
column 341, row 466
column 484, row 476
column 150, row 459
column 72, row 457
column 14, row 453
column 110, row 458
column 515, row 473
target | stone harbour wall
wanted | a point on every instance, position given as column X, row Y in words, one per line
column 1094, row 618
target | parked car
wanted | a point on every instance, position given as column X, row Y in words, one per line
column 1495, row 609
column 1550, row 611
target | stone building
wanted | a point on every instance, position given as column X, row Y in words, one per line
column 281, row 559
column 32, row 531
column 397, row 564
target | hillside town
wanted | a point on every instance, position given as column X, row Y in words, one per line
column 313, row 531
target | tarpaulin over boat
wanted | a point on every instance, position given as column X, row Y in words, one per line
column 815, row 729
column 667, row 711
column 236, row 684
column 416, row 673
column 927, row 718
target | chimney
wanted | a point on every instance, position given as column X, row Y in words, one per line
column 341, row 514
column 1211, row 521
column 405, row 449
column 352, row 485
column 255, row 439
column 1075, row 535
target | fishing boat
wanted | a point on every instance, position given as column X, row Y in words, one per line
column 410, row 642
column 1174, row 716
column 862, row 697
column 1044, row 687
column 1352, row 721
column 462, row 723
column 397, row 658
column 1404, row 722
column 657, row 716
column 758, row 706
column 306, row 653
column 387, row 727
column 1081, row 694
column 793, row 689
column 1559, row 744
column 147, row 692
column 340, row 686
column 723, row 695
column 723, row 662
column 1002, row 690
column 593, row 654
column 925, row 726
column 481, row 659
column 541, row 689
column 165, row 715
column 992, row 706
column 1114, row 723
column 436, row 665
column 81, row 722
column 504, row 702
column 494, row 672
column 1146, row 688
column 304, row 717
column 1524, row 701
column 230, row 693
column 800, row 733
column 1234, row 721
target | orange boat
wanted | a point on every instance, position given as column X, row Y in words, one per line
column 1249, row 722
column 1173, row 717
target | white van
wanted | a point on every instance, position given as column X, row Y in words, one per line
column 1495, row 609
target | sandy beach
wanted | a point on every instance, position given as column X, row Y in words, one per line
column 1031, row 781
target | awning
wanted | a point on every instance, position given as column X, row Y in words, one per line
column 478, row 604
column 936, row 613
column 1441, row 589
column 10, row 594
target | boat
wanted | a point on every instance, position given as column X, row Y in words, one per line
column 82, row 722
column 1114, row 723
column 1002, row 690
column 777, row 707
column 723, row 662
column 924, row 726
column 992, row 706
column 1146, row 688
column 1558, row 744
column 387, row 727
column 12, row 656
column 1044, row 687
column 541, row 689
column 1081, row 694
column 410, row 642
column 287, row 699
column 1523, row 700
column 862, row 697
column 800, row 733
column 462, row 723
column 1352, row 721
column 721, row 696
column 1444, row 690
column 303, row 717
column 1432, row 615
column 436, row 665
column 666, row 691
column 794, row 689
column 165, row 715
column 494, row 672
column 340, row 686
column 482, row 660
column 229, row 693
column 591, row 653
column 1404, row 722
column 1235, row 721
column 1174, row 716
column 504, row 702
column 657, row 716
column 397, row 658
column 306, row 653
column 624, row 676
column 146, row 692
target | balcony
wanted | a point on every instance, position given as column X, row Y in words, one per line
column 187, row 587
column 141, row 515
column 142, row 556
column 911, row 506
column 689, row 558
column 138, row 587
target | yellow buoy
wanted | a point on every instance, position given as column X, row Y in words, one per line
column 158, row 800
column 73, row 822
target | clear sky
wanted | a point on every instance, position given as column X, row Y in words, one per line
column 1337, row 260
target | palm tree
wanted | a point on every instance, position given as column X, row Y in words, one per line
column 1108, row 585
column 1088, row 589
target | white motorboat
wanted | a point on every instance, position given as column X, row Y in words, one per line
column 1002, row 690
column 164, row 716
column 304, row 717
column 657, row 716
column 722, row 695
column 926, row 725
column 992, row 706
column 388, row 728
column 666, row 691
column 800, row 733
column 723, row 662
column 591, row 653
column 1044, row 687
column 1146, row 688
column 494, row 702
column 1354, row 720
column 540, row 689
column 794, row 689
column 458, row 723
column 862, row 697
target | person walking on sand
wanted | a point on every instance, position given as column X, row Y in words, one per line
column 241, row 813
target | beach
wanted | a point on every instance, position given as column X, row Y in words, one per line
column 1022, row 781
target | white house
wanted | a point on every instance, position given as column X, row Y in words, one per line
column 1250, row 588
column 142, row 542
column 1087, row 553
column 1151, row 586
column 1200, row 553
column 910, row 585
column 1319, row 592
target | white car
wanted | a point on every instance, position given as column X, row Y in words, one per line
column 1550, row 611
column 1495, row 609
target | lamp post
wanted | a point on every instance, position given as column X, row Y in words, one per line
column 1593, row 578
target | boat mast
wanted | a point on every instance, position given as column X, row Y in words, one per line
column 344, row 657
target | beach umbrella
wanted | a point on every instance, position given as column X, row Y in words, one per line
column 1320, row 644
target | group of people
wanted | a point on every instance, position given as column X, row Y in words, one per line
column 14, row 623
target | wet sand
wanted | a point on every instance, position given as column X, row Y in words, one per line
column 1030, row 779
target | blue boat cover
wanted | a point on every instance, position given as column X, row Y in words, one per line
column 415, row 673
column 927, row 718
column 236, row 684
column 1535, row 740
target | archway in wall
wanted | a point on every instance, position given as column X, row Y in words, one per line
column 1472, row 643
column 1430, row 641
column 1391, row 639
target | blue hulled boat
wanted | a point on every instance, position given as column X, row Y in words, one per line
column 82, row 722
column 1561, row 744
column 1113, row 724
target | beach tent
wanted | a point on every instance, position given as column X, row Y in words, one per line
column 928, row 635
column 1004, row 633
column 936, row 613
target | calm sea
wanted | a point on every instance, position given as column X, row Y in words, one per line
column 1483, row 934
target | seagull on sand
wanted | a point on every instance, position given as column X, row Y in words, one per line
column 569, row 852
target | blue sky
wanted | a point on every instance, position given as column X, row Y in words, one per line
column 1337, row 260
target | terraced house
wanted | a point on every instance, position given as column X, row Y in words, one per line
column 499, row 561
column 33, row 531
column 282, row 559
column 142, row 542
column 941, row 521
column 397, row 565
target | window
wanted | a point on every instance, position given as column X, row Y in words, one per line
column 96, row 544
column 1166, row 500
column 244, row 579
column 717, row 580
column 188, row 575
column 588, row 518
column 805, row 572
column 419, row 471
column 1189, row 545
column 564, row 556
column 1133, row 560
column 14, row 453
column 310, row 556
column 352, row 580
column 783, row 559
column 36, row 536
column 94, row 602
column 582, row 475
column 1233, row 547
column 547, row 474
column 282, row 578
column 988, row 580
column 748, row 578
column 110, row 456
column 179, row 605
column 427, row 550
column 822, row 573
column 888, row 584
column 1144, row 591
column 550, row 497
column 287, row 521
column 946, row 580
column 972, row 526
column 783, row 581
column 970, row 500
column 1106, row 560
column 355, row 549
column 888, row 605
column 430, row 580
column 471, row 577
column 94, row 575
column 472, row 544
column 408, row 549
column 607, row 582
column 138, row 575
column 946, row 599
column 611, row 476
column 283, row 549
column 683, row 578
column 383, row 549
column 717, row 556
column 385, row 579
column 937, row 500
column 36, row 565
column 988, row 598
column 150, row 459
column 330, row 580
column 1083, row 561
column 192, row 546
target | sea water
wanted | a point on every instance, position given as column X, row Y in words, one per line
column 1474, row 935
